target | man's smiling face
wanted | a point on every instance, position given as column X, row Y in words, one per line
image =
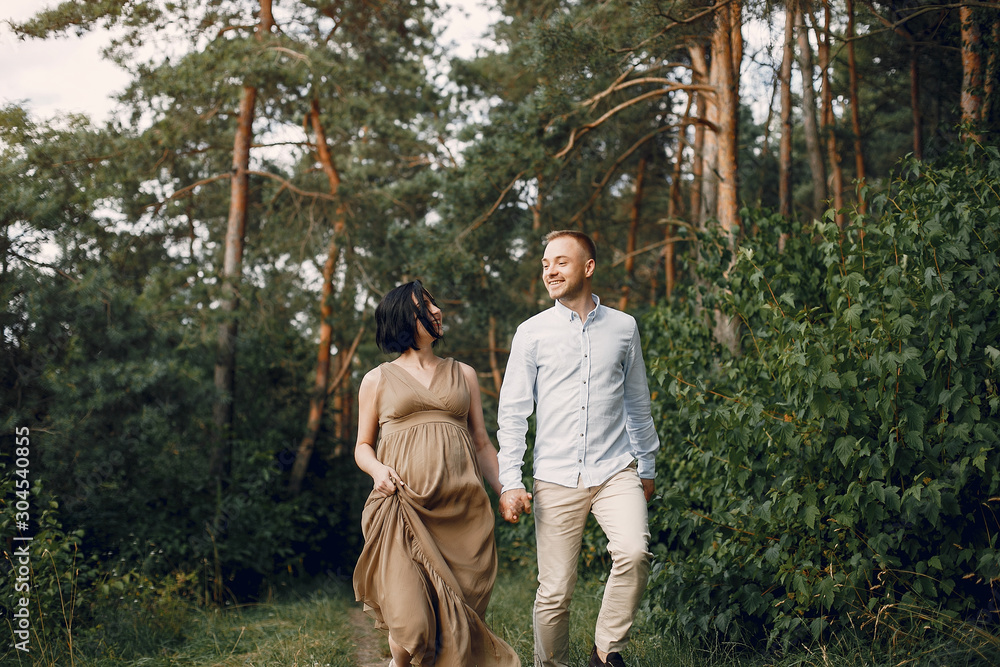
column 565, row 268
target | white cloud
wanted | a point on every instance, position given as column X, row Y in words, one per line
column 60, row 75
column 68, row 75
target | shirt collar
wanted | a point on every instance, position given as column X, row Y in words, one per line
column 569, row 314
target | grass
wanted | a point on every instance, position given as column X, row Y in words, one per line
column 509, row 616
column 316, row 624
column 311, row 630
column 310, row 627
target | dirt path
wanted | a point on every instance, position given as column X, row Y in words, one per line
column 371, row 650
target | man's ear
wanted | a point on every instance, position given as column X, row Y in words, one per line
column 588, row 269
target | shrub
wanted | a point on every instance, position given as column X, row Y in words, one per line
column 50, row 571
column 843, row 469
column 117, row 393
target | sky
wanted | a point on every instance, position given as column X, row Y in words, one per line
column 61, row 75
column 67, row 74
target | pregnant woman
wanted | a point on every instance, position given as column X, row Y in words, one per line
column 429, row 561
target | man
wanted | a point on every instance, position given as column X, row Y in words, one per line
column 579, row 367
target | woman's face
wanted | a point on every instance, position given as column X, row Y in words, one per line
column 435, row 316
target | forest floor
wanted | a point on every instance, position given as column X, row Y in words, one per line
column 371, row 649
column 318, row 624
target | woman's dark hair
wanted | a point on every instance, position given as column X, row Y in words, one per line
column 396, row 318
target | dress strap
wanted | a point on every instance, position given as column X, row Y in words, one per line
column 422, row 417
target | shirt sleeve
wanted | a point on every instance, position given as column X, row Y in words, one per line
column 517, row 402
column 638, row 418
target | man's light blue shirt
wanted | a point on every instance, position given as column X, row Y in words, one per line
column 586, row 381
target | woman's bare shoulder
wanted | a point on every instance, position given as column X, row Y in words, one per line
column 470, row 374
column 371, row 379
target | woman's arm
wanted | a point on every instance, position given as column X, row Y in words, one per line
column 383, row 477
column 486, row 453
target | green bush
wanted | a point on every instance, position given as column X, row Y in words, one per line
column 50, row 571
column 117, row 396
column 842, row 469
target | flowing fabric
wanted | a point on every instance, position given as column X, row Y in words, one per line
column 429, row 561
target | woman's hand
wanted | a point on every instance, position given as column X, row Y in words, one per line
column 514, row 503
column 386, row 481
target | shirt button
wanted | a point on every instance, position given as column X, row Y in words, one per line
column 581, row 435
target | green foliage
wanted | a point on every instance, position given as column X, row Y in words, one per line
column 50, row 570
column 844, row 471
column 103, row 366
column 110, row 252
column 112, row 241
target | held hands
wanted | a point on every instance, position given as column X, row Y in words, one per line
column 386, row 481
column 513, row 503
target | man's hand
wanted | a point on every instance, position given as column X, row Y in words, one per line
column 513, row 503
column 648, row 487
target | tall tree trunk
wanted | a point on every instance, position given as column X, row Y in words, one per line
column 809, row 124
column 536, row 225
column 317, row 400
column 633, row 229
column 736, row 45
column 343, row 361
column 699, row 75
column 345, row 409
column 829, row 120
column 674, row 208
column 972, row 71
column 494, row 364
column 727, row 53
column 336, row 392
column 785, row 147
column 992, row 72
column 673, row 212
column 232, row 272
column 852, row 68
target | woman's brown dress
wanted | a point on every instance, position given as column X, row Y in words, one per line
column 429, row 562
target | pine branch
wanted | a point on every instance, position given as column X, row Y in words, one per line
column 486, row 216
column 43, row 265
column 577, row 132
column 676, row 22
column 156, row 206
column 653, row 246
column 285, row 183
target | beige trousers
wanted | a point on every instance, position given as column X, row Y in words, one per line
column 560, row 516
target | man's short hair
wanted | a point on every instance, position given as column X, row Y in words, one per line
column 396, row 318
column 585, row 241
